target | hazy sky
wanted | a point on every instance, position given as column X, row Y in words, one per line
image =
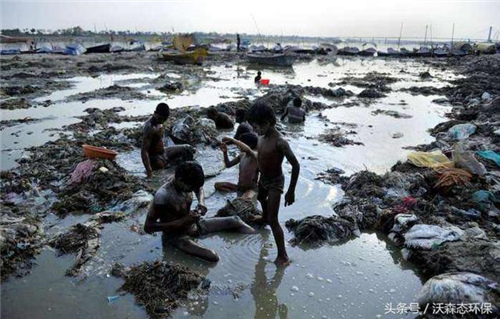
column 307, row 18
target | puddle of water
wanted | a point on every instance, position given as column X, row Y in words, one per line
column 356, row 279
column 89, row 84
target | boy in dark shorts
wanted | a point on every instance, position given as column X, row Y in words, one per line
column 271, row 150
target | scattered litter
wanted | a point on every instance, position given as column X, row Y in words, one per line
column 491, row 155
column 318, row 229
column 82, row 172
column 459, row 288
column 462, row 131
column 486, row 96
column 80, row 239
column 103, row 169
column 429, row 159
column 397, row 135
column 423, row 236
column 112, row 299
column 161, row 287
column 467, row 161
column 450, row 177
column 395, row 114
column 243, row 208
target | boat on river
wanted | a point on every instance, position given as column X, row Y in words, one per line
column 276, row 59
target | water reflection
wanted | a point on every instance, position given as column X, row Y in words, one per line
column 264, row 291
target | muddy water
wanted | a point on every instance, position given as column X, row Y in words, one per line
column 353, row 280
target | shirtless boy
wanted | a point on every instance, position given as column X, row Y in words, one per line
column 221, row 119
column 244, row 126
column 153, row 153
column 171, row 213
column 271, row 151
column 295, row 113
column 248, row 170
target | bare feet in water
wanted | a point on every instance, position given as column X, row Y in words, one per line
column 282, row 261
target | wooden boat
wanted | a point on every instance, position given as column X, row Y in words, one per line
column 348, row 51
column 279, row 59
column 103, row 48
column 406, row 52
column 458, row 53
column 190, row 57
column 116, row 49
column 423, row 51
column 368, row 52
column 138, row 48
column 390, row 52
column 10, row 52
column 441, row 52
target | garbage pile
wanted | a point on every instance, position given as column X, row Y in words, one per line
column 160, row 287
column 316, row 230
column 20, row 240
column 336, row 137
column 243, row 208
column 82, row 239
column 104, row 185
column 441, row 206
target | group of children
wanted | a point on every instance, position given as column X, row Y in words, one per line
column 263, row 150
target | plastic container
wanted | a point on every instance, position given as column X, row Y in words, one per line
column 264, row 81
column 98, row 152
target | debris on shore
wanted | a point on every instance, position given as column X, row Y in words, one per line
column 243, row 208
column 80, row 239
column 445, row 219
column 159, row 286
column 316, row 230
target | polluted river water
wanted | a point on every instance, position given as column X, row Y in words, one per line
column 354, row 279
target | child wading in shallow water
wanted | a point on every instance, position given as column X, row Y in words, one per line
column 271, row 151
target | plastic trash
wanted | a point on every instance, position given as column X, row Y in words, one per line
column 82, row 172
column 462, row 131
column 458, row 288
column 402, row 221
column 475, row 233
column 467, row 161
column 430, row 159
column 430, row 236
column 103, row 169
column 491, row 155
column 112, row 299
column 339, row 92
column 397, row 135
column 486, row 96
column 471, row 214
column 484, row 199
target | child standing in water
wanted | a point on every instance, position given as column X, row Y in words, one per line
column 271, row 150
column 258, row 78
